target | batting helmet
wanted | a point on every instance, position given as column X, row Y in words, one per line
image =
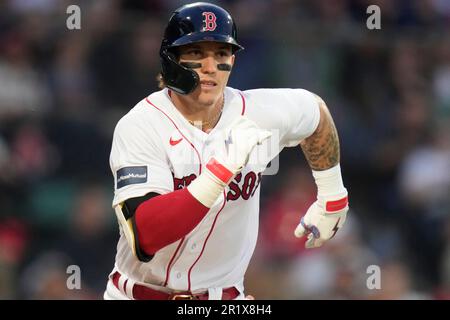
column 191, row 23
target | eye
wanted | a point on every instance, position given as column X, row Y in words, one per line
column 223, row 53
column 193, row 52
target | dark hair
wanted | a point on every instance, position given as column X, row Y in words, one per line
column 160, row 80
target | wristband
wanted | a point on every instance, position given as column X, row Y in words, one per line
column 331, row 193
column 211, row 183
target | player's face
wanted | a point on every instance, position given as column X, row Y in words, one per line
column 212, row 61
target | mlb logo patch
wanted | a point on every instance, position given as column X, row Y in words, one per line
column 131, row 175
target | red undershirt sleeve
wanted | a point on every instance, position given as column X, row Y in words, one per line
column 167, row 218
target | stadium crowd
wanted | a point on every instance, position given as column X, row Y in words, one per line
column 62, row 92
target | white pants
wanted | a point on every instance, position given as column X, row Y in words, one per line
column 112, row 293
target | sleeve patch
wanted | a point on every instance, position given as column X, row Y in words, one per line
column 131, row 175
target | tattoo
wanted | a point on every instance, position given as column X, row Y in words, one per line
column 321, row 149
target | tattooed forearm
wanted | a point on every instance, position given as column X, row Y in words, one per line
column 321, row 149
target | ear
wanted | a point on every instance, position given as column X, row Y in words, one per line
column 232, row 59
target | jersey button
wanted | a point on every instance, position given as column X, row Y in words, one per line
column 194, row 245
column 178, row 275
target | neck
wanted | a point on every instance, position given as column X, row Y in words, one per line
column 202, row 116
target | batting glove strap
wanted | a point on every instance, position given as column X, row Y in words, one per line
column 332, row 196
column 335, row 206
column 211, row 183
column 219, row 171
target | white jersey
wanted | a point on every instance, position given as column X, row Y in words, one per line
column 155, row 149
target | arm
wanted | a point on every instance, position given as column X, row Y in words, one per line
column 151, row 223
column 328, row 213
column 321, row 149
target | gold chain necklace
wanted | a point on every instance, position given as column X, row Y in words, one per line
column 200, row 124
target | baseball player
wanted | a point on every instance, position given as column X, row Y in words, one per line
column 187, row 164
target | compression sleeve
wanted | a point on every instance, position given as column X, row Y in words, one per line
column 166, row 218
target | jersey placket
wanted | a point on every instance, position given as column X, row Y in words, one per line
column 194, row 244
column 191, row 248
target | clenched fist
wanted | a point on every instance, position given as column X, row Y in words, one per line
column 322, row 220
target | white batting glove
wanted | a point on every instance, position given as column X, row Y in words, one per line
column 232, row 154
column 240, row 138
column 238, row 141
column 327, row 215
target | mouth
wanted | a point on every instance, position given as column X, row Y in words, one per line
column 208, row 84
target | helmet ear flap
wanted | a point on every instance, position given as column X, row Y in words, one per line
column 177, row 77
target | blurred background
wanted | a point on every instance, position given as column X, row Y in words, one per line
column 62, row 92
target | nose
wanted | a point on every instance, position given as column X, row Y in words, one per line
column 209, row 65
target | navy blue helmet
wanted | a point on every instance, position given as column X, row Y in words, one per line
column 191, row 23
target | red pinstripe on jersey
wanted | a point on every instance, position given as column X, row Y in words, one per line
column 169, row 266
column 206, row 240
column 217, row 215
column 243, row 104
column 215, row 219
column 176, row 127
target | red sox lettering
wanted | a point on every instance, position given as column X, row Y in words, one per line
column 238, row 188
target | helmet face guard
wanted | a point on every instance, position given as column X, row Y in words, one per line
column 193, row 23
